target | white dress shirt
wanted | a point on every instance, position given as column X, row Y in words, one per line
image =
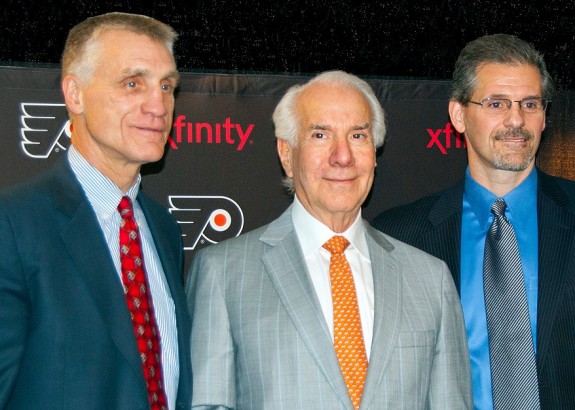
column 312, row 234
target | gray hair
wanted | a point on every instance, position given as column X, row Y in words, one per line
column 499, row 49
column 286, row 117
column 80, row 55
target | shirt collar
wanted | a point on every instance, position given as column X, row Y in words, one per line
column 312, row 234
column 102, row 193
column 521, row 201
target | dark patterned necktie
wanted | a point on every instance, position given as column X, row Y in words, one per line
column 513, row 371
column 140, row 305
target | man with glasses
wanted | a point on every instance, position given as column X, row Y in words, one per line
column 521, row 340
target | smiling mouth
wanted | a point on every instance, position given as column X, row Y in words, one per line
column 513, row 139
column 341, row 180
column 516, row 135
column 151, row 131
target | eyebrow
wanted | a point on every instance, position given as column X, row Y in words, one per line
column 320, row 127
column 323, row 127
column 507, row 97
column 361, row 127
column 128, row 72
column 173, row 75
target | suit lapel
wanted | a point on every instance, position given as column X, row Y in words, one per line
column 289, row 274
column 443, row 239
column 165, row 250
column 86, row 246
column 556, row 250
column 388, row 291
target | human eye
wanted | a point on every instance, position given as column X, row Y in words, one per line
column 495, row 104
column 530, row 105
column 319, row 135
column 169, row 84
column 360, row 137
column 131, row 83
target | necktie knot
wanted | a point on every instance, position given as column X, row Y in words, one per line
column 336, row 245
column 125, row 207
column 498, row 207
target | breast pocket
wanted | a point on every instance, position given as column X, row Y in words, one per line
column 409, row 372
column 414, row 355
column 421, row 338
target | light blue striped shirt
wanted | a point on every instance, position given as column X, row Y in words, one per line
column 104, row 196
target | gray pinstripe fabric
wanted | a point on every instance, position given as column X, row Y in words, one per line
column 260, row 340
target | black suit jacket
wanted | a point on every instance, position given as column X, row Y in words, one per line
column 433, row 224
column 66, row 338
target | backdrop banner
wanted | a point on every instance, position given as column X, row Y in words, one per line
column 220, row 175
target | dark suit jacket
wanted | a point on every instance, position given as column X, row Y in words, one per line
column 433, row 224
column 66, row 338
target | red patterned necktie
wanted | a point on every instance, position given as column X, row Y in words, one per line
column 348, row 335
column 140, row 305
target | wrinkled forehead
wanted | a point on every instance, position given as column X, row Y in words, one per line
column 507, row 80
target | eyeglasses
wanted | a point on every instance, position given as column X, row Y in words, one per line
column 501, row 105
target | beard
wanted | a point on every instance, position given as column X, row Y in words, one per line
column 510, row 157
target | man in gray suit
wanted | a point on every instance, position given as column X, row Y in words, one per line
column 265, row 332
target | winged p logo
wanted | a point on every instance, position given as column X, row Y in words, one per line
column 45, row 129
column 206, row 219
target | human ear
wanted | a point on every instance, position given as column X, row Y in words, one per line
column 457, row 115
column 72, row 94
column 285, row 154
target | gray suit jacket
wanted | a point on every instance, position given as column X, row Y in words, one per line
column 260, row 341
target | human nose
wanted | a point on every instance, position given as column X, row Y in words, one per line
column 514, row 117
column 155, row 102
column 342, row 154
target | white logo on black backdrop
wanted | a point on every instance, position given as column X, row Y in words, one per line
column 45, row 129
column 206, row 219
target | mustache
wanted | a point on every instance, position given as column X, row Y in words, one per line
column 514, row 133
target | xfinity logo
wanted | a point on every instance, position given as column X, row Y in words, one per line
column 45, row 129
column 206, row 219
column 227, row 132
column 445, row 138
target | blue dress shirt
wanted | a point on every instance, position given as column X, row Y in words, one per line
column 476, row 220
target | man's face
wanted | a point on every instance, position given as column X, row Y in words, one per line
column 507, row 141
column 124, row 114
column 333, row 164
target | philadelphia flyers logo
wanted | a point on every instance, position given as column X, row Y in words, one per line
column 45, row 129
column 206, row 219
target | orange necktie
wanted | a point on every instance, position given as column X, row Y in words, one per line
column 348, row 336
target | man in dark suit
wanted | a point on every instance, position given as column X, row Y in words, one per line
column 71, row 334
column 500, row 92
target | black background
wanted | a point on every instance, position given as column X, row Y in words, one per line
column 414, row 39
